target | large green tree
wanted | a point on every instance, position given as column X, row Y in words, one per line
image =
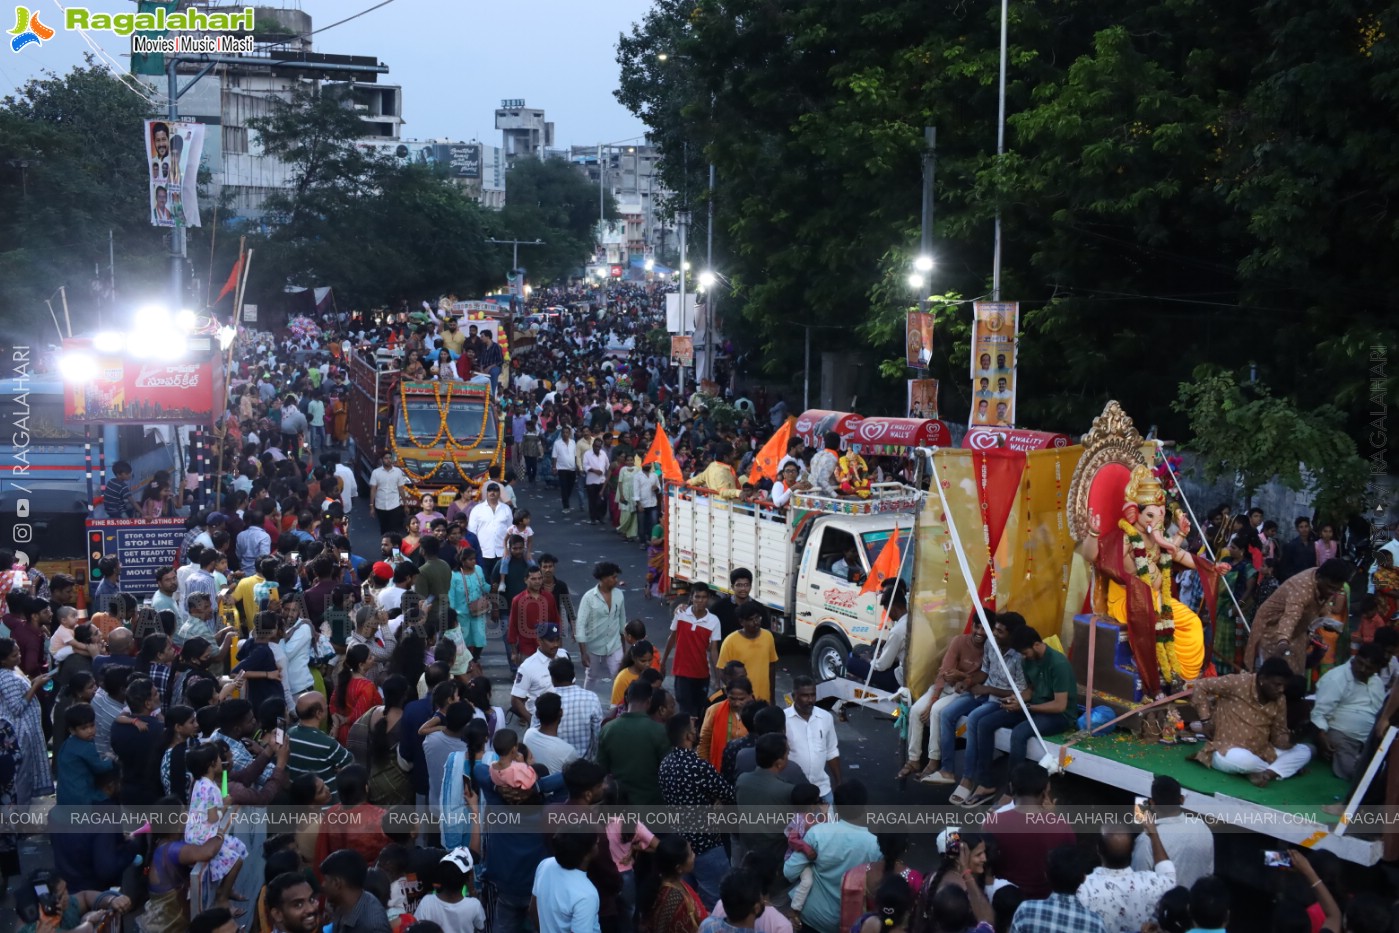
column 550, row 200
column 1183, row 183
column 375, row 230
column 71, row 170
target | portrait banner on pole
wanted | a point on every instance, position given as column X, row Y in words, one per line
column 918, row 333
column 682, row 350
column 173, row 152
column 993, row 360
column 923, row 398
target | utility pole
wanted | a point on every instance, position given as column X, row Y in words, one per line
column 1000, row 151
column 709, row 299
column 925, row 245
column 682, row 220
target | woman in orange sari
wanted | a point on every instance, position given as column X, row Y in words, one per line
column 673, row 906
column 355, row 694
column 721, row 721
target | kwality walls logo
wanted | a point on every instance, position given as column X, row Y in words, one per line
column 147, row 28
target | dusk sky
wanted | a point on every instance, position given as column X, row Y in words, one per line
column 456, row 61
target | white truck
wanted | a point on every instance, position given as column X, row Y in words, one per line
column 791, row 553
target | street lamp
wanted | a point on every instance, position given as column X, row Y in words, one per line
column 650, row 264
column 916, row 280
column 706, row 279
column 923, row 263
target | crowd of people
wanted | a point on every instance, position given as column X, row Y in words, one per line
column 315, row 738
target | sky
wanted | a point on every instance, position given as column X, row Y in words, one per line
column 456, row 60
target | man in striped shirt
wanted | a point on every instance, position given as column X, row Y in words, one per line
column 312, row 750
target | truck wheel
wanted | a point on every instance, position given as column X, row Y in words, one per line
column 828, row 657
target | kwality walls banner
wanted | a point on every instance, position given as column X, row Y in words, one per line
column 173, row 151
column 125, row 390
column 993, row 363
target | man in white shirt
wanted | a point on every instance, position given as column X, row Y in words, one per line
column 489, row 521
column 646, row 490
column 595, row 466
column 349, row 486
column 582, row 443
column 888, row 663
column 1348, row 698
column 1188, row 841
column 390, row 598
column 565, row 466
column 532, row 677
column 386, row 487
column 542, row 738
column 1125, row 899
column 811, row 738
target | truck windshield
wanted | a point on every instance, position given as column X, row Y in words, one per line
column 874, row 541
column 463, row 421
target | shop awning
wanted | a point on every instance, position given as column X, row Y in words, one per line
column 985, row 438
column 812, row 425
column 872, row 434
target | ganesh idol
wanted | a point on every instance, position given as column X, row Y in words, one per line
column 1134, row 562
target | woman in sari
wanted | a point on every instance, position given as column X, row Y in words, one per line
column 19, row 705
column 355, row 694
column 373, row 740
column 167, row 910
column 656, row 562
column 672, row 905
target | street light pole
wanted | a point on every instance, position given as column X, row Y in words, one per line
column 1000, row 151
column 925, row 246
column 682, row 220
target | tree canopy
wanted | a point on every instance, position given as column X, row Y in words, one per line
column 71, row 170
column 551, row 200
column 1183, row 184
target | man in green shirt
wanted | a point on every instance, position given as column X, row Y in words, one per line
column 1052, row 702
column 434, row 576
column 631, row 747
column 312, row 750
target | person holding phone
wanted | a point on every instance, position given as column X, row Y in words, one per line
column 46, row 904
column 1124, row 897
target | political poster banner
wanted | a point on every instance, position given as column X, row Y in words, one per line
column 173, row 152
column 682, row 350
column 923, row 398
column 993, row 361
column 918, row 334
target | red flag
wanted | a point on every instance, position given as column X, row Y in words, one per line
column 660, row 452
column 766, row 460
column 232, row 282
column 886, row 565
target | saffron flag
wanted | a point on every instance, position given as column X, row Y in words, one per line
column 886, row 565
column 232, row 282
column 661, row 452
column 766, row 460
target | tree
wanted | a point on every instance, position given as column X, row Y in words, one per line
column 375, row 230
column 550, row 200
column 1183, row 183
column 72, row 169
column 1245, row 432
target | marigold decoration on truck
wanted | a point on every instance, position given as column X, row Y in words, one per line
column 443, row 405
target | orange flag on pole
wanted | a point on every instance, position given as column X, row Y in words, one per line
column 660, row 452
column 766, row 460
column 886, row 565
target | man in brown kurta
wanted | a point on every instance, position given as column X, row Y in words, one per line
column 1280, row 627
column 1245, row 718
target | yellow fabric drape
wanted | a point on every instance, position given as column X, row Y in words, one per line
column 1190, row 631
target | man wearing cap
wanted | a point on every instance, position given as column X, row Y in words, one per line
column 489, row 521
column 391, row 597
column 533, row 678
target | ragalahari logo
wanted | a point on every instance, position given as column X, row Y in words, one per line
column 28, row 30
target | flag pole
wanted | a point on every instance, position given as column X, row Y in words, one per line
column 246, row 259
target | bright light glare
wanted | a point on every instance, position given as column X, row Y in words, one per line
column 915, row 280
column 226, row 335
column 77, row 367
column 662, row 57
column 706, row 279
column 650, row 264
column 923, row 263
column 685, row 266
column 108, row 341
column 169, row 346
column 185, row 320
column 151, row 318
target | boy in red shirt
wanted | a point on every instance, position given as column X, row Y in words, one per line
column 694, row 639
